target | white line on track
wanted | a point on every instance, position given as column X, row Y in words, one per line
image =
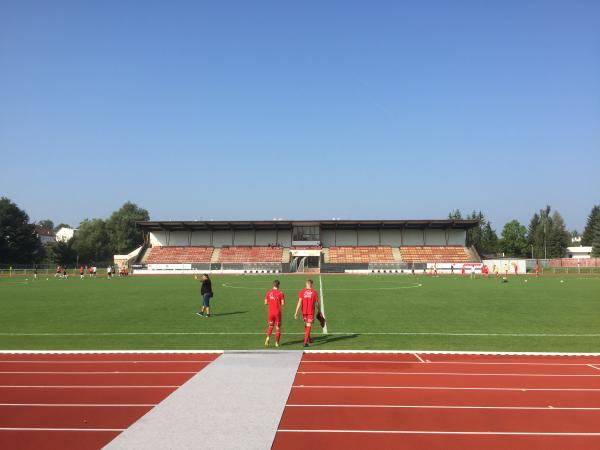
column 416, row 355
column 112, row 372
column 61, row 429
column 447, row 388
column 367, row 361
column 85, row 387
column 545, row 408
column 356, row 372
column 109, row 352
column 104, row 361
column 490, row 433
column 450, row 352
column 594, row 367
column 323, row 303
column 80, row 405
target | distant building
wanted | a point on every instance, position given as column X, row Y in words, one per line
column 65, row 234
column 45, row 235
column 576, row 240
column 579, row 252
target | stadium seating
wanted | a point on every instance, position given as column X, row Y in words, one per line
column 431, row 254
column 360, row 255
column 179, row 255
column 250, row 254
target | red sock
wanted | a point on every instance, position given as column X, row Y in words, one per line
column 306, row 334
column 269, row 330
column 277, row 335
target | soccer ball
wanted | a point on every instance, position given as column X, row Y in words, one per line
column 525, row 281
column 562, row 281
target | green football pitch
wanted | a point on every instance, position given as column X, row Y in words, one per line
column 363, row 312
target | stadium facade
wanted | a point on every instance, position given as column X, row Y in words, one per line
column 303, row 245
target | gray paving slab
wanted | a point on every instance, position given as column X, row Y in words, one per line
column 236, row 402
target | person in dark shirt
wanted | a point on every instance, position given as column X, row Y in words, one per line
column 206, row 292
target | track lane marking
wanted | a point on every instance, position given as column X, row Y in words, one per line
column 491, row 433
column 541, row 408
column 80, row 405
column 447, row 388
column 416, row 355
column 594, row 367
column 368, row 361
column 60, row 429
column 134, row 386
column 450, row 374
column 114, row 372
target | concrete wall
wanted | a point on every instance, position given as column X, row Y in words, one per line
column 201, row 238
column 412, row 237
column 457, row 237
column 435, row 237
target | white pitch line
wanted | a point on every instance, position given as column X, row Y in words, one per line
column 488, row 433
column 447, row 388
column 60, row 429
column 416, row 355
column 80, row 405
column 545, row 408
column 450, row 374
column 114, row 372
column 323, row 303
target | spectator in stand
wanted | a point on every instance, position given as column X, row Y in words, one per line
column 207, row 293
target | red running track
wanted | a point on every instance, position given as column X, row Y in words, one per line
column 442, row 401
column 84, row 400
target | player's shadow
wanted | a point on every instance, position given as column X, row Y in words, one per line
column 230, row 313
column 323, row 339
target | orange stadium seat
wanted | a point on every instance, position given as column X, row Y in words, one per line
column 179, row 255
column 361, row 255
column 250, row 254
column 431, row 254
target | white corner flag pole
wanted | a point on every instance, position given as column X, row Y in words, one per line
column 323, row 304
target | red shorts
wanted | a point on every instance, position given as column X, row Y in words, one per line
column 275, row 318
column 308, row 318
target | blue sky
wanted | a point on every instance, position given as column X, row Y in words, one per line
column 248, row 110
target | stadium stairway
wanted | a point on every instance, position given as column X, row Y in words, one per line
column 325, row 253
column 397, row 254
column 285, row 257
column 215, row 256
column 474, row 254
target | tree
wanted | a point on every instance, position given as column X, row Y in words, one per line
column 124, row 236
column 91, row 242
column 489, row 239
column 455, row 214
column 61, row 253
column 514, row 239
column 596, row 241
column 62, row 225
column 18, row 240
column 558, row 237
column 593, row 219
column 483, row 237
column 46, row 224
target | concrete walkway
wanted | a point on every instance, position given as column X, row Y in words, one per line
column 234, row 403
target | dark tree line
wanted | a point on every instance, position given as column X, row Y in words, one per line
column 96, row 240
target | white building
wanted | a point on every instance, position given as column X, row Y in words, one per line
column 579, row 252
column 45, row 235
column 65, row 234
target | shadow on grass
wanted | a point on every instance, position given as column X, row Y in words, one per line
column 322, row 339
column 228, row 313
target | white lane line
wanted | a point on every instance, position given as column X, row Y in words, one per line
column 416, row 355
column 60, row 429
column 110, row 352
column 544, row 408
column 91, row 361
column 594, row 367
column 81, row 405
column 490, row 433
column 323, row 303
column 367, row 361
column 84, row 387
column 449, row 352
column 448, row 388
column 356, row 372
column 113, row 372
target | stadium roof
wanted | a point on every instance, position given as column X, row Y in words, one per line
column 223, row 225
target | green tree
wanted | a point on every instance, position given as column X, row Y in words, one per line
column 61, row 253
column 558, row 238
column 455, row 214
column 62, row 225
column 483, row 237
column 47, row 224
column 124, row 236
column 593, row 219
column 596, row 241
column 514, row 239
column 489, row 239
column 18, row 240
column 91, row 242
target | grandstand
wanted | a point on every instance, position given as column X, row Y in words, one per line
column 302, row 246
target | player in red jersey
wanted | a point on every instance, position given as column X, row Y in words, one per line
column 308, row 299
column 275, row 300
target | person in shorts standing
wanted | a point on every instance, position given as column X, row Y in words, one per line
column 206, row 292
